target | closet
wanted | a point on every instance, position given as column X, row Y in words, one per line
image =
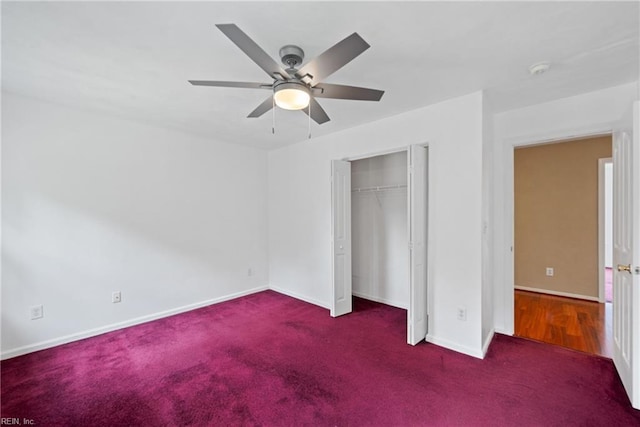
column 379, row 223
column 379, row 229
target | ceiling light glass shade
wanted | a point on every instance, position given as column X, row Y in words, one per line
column 291, row 96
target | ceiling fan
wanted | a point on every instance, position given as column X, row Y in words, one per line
column 298, row 86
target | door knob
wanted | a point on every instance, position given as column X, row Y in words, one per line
column 626, row 268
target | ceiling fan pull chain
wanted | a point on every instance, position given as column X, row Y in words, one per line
column 273, row 122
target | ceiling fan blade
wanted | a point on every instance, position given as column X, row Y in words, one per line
column 347, row 92
column 333, row 59
column 247, row 85
column 253, row 51
column 317, row 112
column 265, row 106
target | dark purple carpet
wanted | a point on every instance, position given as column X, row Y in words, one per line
column 271, row 360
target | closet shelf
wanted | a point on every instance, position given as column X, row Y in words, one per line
column 378, row 188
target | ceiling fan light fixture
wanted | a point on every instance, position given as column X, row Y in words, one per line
column 291, row 96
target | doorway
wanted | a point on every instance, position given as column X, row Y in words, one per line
column 389, row 238
column 558, row 251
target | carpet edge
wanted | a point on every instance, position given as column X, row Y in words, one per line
column 65, row 339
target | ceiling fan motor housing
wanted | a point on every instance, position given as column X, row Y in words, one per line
column 291, row 55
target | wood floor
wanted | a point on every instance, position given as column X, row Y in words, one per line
column 573, row 323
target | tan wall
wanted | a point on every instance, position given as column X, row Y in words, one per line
column 556, row 215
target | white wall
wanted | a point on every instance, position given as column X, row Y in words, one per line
column 92, row 204
column 379, row 227
column 589, row 112
column 300, row 211
column 586, row 114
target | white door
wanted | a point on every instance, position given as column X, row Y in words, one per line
column 341, row 237
column 417, row 314
column 626, row 254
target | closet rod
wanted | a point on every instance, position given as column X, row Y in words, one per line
column 379, row 188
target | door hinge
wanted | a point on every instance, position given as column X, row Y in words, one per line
column 410, row 245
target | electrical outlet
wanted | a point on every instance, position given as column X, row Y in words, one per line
column 250, row 272
column 549, row 271
column 116, row 297
column 37, row 312
column 462, row 313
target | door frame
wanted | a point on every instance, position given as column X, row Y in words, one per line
column 600, row 214
column 505, row 251
column 405, row 149
column 601, row 224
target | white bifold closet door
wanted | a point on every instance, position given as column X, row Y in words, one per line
column 417, row 181
column 341, row 237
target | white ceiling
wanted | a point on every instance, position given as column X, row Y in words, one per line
column 133, row 60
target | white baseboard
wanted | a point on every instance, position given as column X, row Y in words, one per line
column 557, row 293
column 19, row 351
column 298, row 296
column 477, row 353
column 378, row 299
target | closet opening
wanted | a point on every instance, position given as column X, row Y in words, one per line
column 379, row 235
column 379, row 229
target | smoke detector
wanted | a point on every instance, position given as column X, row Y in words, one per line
column 539, row 68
